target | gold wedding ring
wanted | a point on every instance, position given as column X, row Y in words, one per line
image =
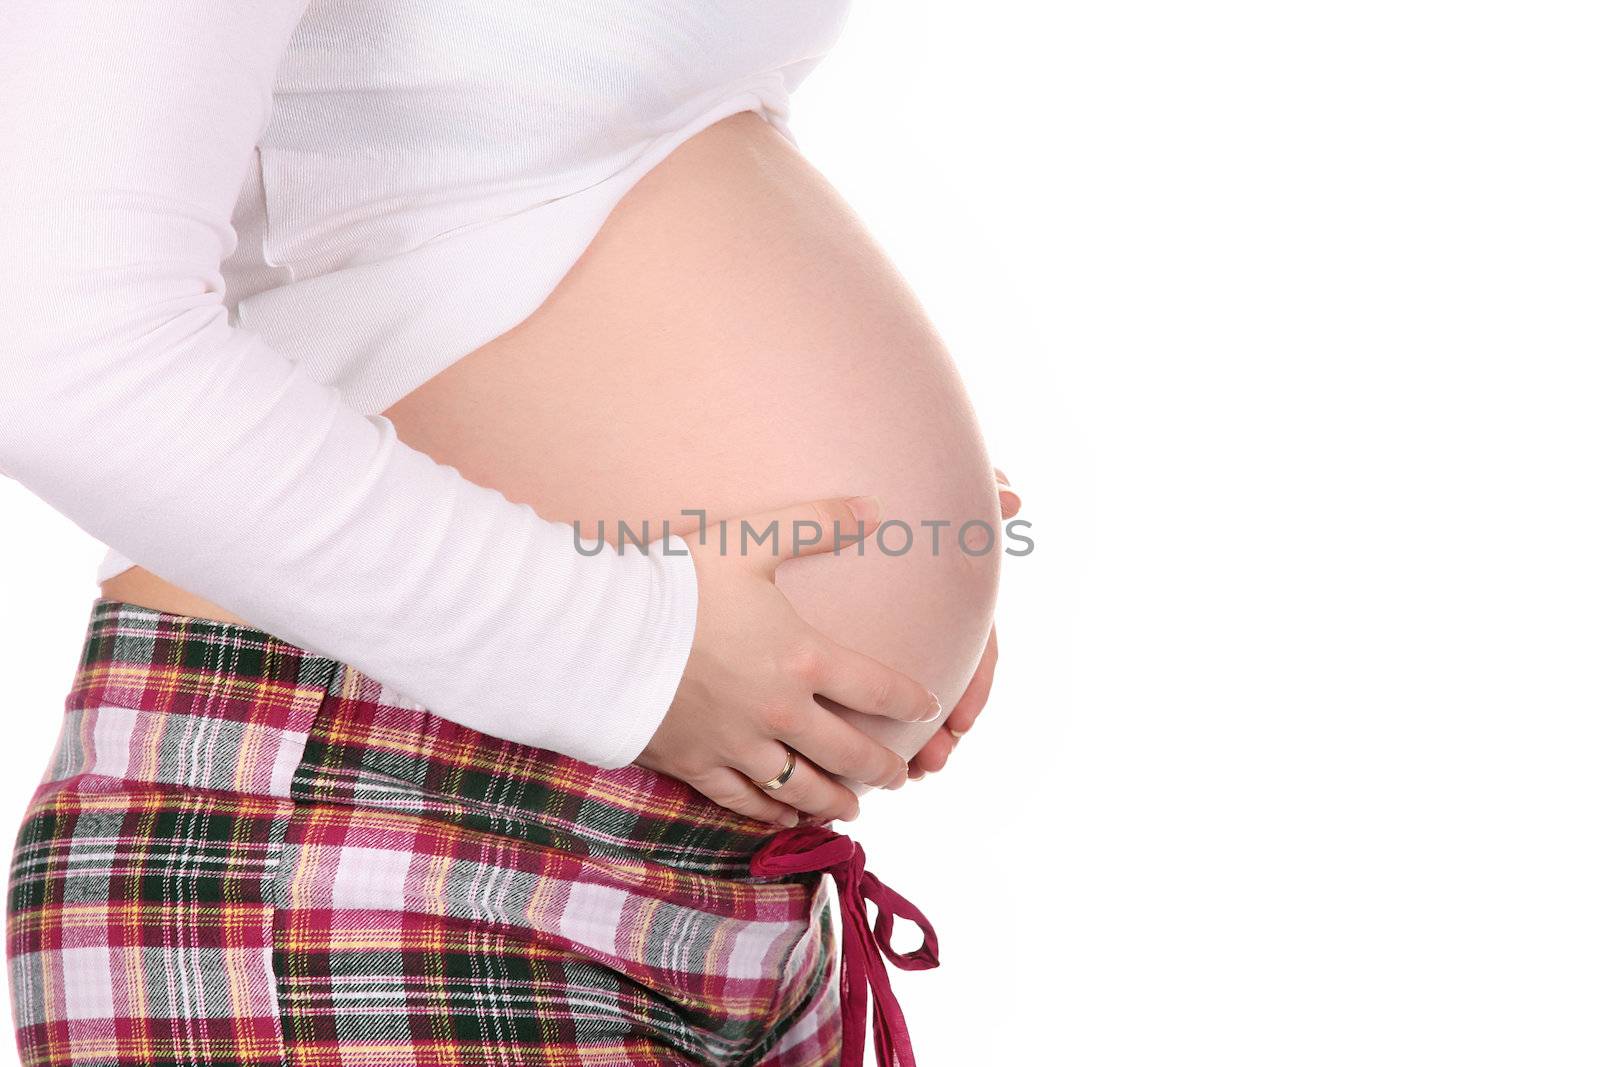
column 782, row 776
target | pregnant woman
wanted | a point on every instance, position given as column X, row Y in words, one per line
column 381, row 342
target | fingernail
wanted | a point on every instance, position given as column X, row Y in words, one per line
column 1014, row 496
column 865, row 508
column 958, row 734
column 917, row 776
column 790, row 820
column 1000, row 476
column 938, row 710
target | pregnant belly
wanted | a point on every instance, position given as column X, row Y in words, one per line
column 733, row 341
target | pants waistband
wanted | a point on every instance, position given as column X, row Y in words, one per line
column 206, row 704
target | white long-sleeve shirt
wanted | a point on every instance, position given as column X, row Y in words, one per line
column 232, row 231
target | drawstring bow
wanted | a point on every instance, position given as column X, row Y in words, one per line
column 805, row 849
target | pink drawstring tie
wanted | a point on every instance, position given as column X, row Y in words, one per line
column 816, row 848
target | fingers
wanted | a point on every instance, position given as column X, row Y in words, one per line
column 863, row 684
column 1010, row 502
column 733, row 790
column 807, row 529
column 936, row 752
column 807, row 789
column 965, row 713
column 934, row 755
column 835, row 745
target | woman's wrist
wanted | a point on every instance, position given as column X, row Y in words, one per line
column 650, row 655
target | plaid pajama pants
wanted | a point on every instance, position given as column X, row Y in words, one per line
column 247, row 853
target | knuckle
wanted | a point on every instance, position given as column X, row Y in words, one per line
column 814, row 797
column 829, row 512
column 894, row 772
column 723, row 794
column 880, row 693
column 853, row 759
column 804, row 663
column 779, row 717
column 868, row 758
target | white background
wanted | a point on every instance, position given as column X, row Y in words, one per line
column 1283, row 319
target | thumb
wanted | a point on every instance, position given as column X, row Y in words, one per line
column 808, row 529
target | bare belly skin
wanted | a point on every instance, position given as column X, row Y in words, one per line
column 734, row 341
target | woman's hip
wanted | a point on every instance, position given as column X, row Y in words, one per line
column 244, row 852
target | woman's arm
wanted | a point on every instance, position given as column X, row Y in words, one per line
column 132, row 406
column 129, row 403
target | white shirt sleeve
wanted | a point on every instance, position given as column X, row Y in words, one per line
column 129, row 403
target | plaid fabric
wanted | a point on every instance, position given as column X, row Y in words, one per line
column 247, row 853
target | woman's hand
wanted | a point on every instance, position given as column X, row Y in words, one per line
column 755, row 669
column 936, row 752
